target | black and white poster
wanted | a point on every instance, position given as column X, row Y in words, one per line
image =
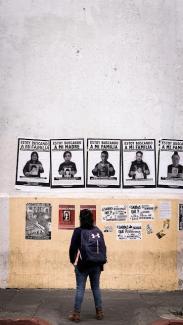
column 103, row 163
column 129, row 231
column 139, row 212
column 181, row 216
column 114, row 212
column 67, row 163
column 170, row 164
column 33, row 162
column 139, row 163
column 38, row 221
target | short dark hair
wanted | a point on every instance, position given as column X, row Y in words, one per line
column 139, row 152
column 66, row 153
column 86, row 219
column 34, row 153
column 105, row 152
column 175, row 154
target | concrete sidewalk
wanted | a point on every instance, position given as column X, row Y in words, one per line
column 120, row 307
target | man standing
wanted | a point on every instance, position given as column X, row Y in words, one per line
column 104, row 168
column 68, row 168
column 139, row 169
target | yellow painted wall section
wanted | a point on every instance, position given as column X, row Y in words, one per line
column 149, row 263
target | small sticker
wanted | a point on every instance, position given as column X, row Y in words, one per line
column 160, row 234
column 149, row 229
column 108, row 229
column 166, row 224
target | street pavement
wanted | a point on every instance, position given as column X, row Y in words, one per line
column 120, row 307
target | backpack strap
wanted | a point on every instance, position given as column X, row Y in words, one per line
column 77, row 258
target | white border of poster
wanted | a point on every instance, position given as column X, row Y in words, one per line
column 67, row 163
column 106, row 171
column 167, row 148
column 28, row 170
column 145, row 175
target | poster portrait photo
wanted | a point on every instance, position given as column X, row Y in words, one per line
column 138, row 163
column 170, row 163
column 67, row 163
column 66, row 217
column 33, row 162
column 103, row 163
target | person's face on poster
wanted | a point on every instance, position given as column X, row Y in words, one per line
column 175, row 160
column 46, row 216
column 67, row 157
column 67, row 173
column 66, row 216
column 139, row 157
column 34, row 157
column 104, row 157
column 34, row 170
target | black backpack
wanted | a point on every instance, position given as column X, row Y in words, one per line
column 93, row 248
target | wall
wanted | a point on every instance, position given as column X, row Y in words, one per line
column 87, row 69
column 135, row 264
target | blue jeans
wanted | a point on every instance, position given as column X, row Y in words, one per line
column 81, row 278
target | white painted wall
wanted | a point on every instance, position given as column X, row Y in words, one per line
column 4, row 241
column 96, row 68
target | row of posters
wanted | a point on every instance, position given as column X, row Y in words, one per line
column 39, row 219
column 110, row 162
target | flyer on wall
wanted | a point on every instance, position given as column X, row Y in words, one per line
column 103, row 163
column 170, row 163
column 67, row 163
column 139, row 163
column 33, row 162
column 66, row 217
column 139, row 212
column 129, row 231
column 38, row 221
column 113, row 212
